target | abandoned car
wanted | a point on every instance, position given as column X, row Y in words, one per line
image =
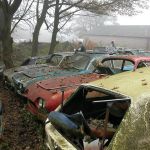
column 46, row 95
column 104, row 115
column 117, row 64
column 79, row 63
column 137, row 52
column 35, row 63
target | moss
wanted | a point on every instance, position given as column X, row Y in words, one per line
column 4, row 146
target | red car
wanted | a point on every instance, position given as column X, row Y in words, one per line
column 46, row 95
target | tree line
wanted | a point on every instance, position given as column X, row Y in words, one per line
column 55, row 14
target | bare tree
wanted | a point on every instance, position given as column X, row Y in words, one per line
column 105, row 7
column 65, row 9
column 87, row 21
column 63, row 13
column 8, row 9
column 39, row 21
column 23, row 15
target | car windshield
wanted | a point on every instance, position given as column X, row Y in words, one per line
column 55, row 59
column 79, row 62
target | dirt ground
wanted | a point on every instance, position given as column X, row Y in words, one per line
column 22, row 131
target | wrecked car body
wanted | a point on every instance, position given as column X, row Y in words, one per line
column 33, row 64
column 49, row 92
column 118, row 64
column 104, row 115
column 80, row 63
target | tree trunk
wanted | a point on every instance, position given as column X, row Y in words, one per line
column 7, row 42
column 53, row 42
column 36, row 32
column 7, row 52
column 8, row 9
column 35, row 40
column 55, row 30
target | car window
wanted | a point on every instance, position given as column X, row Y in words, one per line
column 66, row 62
column 117, row 64
column 41, row 61
column 108, row 63
column 128, row 65
column 55, row 60
column 80, row 61
column 141, row 64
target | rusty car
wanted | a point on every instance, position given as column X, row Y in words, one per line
column 111, row 113
column 46, row 95
column 79, row 63
column 117, row 64
column 35, row 63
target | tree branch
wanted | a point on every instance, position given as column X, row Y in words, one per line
column 14, row 6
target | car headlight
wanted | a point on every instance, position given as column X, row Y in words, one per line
column 41, row 103
column 20, row 86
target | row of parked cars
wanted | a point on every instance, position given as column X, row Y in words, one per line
column 90, row 115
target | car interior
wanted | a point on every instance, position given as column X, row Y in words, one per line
column 90, row 115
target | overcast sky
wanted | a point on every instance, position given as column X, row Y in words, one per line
column 141, row 19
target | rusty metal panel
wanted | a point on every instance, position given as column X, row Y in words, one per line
column 133, row 131
column 51, row 90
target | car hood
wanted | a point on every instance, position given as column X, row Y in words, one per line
column 67, row 81
column 22, row 68
column 29, row 78
column 39, row 71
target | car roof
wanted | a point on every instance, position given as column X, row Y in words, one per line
column 128, row 57
column 131, row 83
